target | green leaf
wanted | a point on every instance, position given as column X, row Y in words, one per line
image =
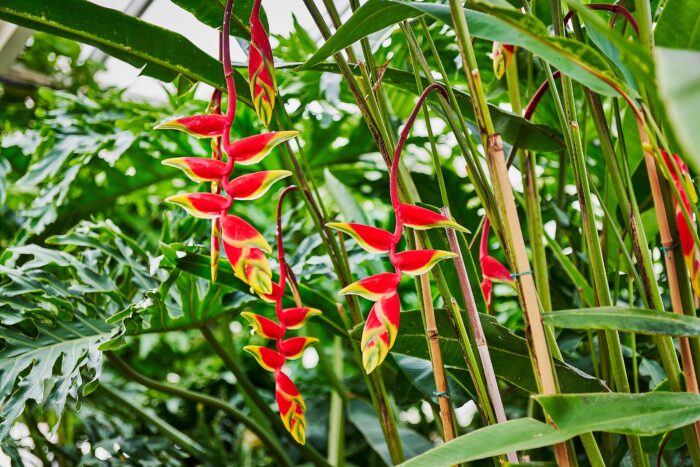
column 678, row 75
column 494, row 440
column 574, row 414
column 635, row 414
column 509, row 352
column 211, row 13
column 679, row 25
column 507, row 26
column 163, row 54
column 624, row 319
column 48, row 368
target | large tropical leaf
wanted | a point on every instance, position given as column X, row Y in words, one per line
column 504, row 25
column 679, row 25
column 646, row 414
column 509, row 352
column 678, row 75
column 161, row 53
column 616, row 318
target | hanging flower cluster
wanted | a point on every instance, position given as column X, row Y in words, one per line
column 289, row 401
column 245, row 247
column 491, row 269
column 382, row 323
column 684, row 230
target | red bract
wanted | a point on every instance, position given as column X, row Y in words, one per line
column 491, row 269
column 420, row 218
column 202, row 205
column 374, row 287
column 253, row 186
column 681, row 181
column 199, row 169
column 289, row 400
column 200, row 126
column 294, row 318
column 371, row 239
column 261, row 72
column 419, row 262
column 382, row 323
column 253, row 149
column 240, row 234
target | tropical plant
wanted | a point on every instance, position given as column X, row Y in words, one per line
column 566, row 128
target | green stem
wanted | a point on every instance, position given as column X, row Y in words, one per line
column 264, row 435
column 169, row 431
column 336, row 432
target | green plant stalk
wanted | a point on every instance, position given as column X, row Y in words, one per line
column 268, row 439
column 449, row 108
column 433, row 341
column 510, row 226
column 336, row 432
column 479, row 337
column 533, row 214
column 603, row 297
column 169, row 431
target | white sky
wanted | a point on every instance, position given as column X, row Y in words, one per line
column 166, row 14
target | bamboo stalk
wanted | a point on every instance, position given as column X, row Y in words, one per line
column 433, row 338
column 336, row 433
column 511, row 231
column 668, row 251
column 478, row 330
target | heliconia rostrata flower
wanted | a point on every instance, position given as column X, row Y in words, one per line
column 684, row 230
column 382, row 325
column 501, row 55
column 245, row 247
column 491, row 269
column 261, row 74
column 289, row 400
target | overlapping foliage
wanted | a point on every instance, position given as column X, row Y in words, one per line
column 123, row 329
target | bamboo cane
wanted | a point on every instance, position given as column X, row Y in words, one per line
column 431, row 334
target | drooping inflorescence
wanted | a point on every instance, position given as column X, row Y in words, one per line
column 289, row 400
column 382, row 325
column 245, row 247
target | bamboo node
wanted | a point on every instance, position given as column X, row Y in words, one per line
column 517, row 275
column 667, row 248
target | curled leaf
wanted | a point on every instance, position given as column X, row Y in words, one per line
column 380, row 332
column 291, row 406
column 261, row 72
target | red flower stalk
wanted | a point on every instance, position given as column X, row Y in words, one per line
column 684, row 229
column 491, row 269
column 382, row 323
column 245, row 247
column 261, row 70
column 289, row 400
